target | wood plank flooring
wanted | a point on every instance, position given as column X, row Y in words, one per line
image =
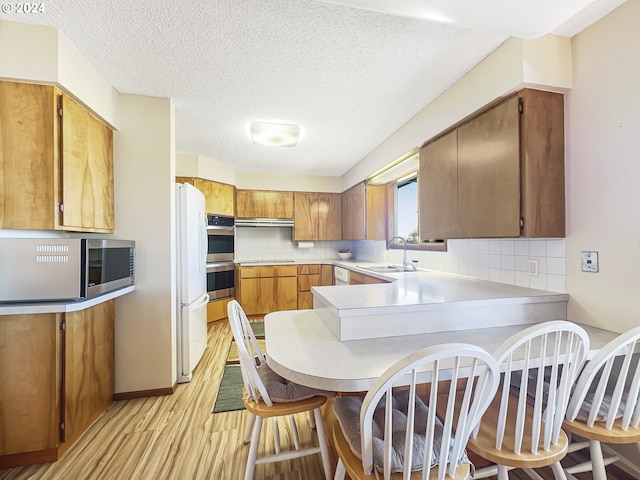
column 177, row 437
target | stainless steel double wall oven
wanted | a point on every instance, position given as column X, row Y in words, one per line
column 220, row 251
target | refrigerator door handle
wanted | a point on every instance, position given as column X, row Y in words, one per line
column 201, row 304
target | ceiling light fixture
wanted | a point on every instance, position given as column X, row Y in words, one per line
column 274, row 134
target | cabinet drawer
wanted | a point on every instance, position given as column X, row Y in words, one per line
column 308, row 269
column 270, row 271
column 305, row 282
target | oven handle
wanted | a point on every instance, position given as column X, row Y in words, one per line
column 216, row 230
column 220, row 267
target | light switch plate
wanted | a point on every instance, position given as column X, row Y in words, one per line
column 590, row 262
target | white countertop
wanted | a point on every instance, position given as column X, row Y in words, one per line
column 423, row 288
column 61, row 307
column 303, row 349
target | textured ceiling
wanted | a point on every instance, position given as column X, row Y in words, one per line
column 350, row 77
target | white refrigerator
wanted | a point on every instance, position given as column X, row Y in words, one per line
column 191, row 236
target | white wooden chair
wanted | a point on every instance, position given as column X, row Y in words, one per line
column 522, row 426
column 392, row 430
column 268, row 395
column 604, row 406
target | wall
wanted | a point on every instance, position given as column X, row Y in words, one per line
column 544, row 63
column 202, row 167
column 603, row 171
column 299, row 183
column 144, row 167
column 38, row 54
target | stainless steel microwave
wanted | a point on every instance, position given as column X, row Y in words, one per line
column 53, row 269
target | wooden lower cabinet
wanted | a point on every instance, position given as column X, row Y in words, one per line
column 89, row 366
column 308, row 276
column 58, row 375
column 356, row 278
column 30, row 379
column 268, row 289
column 217, row 309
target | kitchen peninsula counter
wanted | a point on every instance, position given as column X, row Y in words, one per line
column 428, row 302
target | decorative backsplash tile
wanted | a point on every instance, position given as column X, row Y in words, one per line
column 496, row 260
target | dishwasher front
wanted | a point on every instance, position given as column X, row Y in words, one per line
column 341, row 276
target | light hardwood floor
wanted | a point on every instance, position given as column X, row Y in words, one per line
column 177, row 437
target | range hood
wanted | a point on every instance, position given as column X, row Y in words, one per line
column 264, row 222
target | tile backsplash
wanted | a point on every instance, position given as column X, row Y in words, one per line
column 274, row 243
column 496, row 260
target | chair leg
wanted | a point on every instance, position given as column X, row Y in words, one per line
column 558, row 471
column 247, row 434
column 597, row 460
column 322, row 442
column 294, row 432
column 503, row 472
column 276, row 434
column 341, row 471
column 313, row 421
column 253, row 449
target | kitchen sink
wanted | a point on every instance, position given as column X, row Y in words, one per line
column 383, row 268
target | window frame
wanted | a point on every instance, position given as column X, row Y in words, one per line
column 392, row 189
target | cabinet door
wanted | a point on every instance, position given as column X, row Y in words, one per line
column 376, row 211
column 264, row 204
column 356, row 278
column 542, row 140
column 438, row 188
column 259, row 296
column 353, row 213
column 30, row 379
column 87, row 170
column 89, row 365
column 28, row 156
column 305, row 208
column 326, row 275
column 329, row 221
column 219, row 196
column 489, row 173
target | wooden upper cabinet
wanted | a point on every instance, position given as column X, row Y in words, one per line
column 354, row 222
column 489, row 173
column 364, row 212
column 499, row 174
column 438, row 187
column 87, row 170
column 317, row 216
column 542, row 182
column 28, row 156
column 219, row 196
column 47, row 160
column 264, row 204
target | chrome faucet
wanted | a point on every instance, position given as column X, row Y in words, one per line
column 405, row 267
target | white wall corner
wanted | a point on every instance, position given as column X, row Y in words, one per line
column 547, row 63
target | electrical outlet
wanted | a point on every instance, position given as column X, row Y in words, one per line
column 589, row 262
column 533, row 267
